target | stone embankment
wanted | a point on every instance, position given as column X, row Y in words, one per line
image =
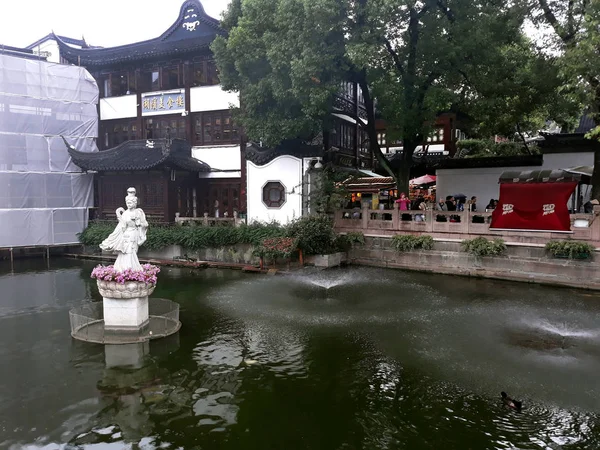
column 521, row 262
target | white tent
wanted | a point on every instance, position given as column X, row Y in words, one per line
column 44, row 197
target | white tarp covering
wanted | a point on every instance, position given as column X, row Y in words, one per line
column 44, row 197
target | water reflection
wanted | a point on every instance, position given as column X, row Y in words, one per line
column 342, row 359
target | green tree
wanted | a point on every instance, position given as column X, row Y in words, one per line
column 575, row 34
column 287, row 58
column 520, row 96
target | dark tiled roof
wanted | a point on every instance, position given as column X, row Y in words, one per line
column 20, row 52
column 263, row 155
column 567, row 142
column 139, row 155
column 586, row 123
column 496, row 161
column 192, row 32
column 81, row 42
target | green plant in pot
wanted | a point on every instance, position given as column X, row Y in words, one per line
column 570, row 249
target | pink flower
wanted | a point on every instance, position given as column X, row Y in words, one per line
column 108, row 273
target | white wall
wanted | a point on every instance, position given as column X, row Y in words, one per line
column 225, row 157
column 567, row 160
column 50, row 46
column 121, row 107
column 288, row 171
column 480, row 182
column 211, row 98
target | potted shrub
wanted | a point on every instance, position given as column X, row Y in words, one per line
column 483, row 247
column 569, row 249
column 274, row 248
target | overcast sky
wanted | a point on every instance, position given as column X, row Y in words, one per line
column 105, row 22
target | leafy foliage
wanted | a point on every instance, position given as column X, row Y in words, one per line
column 192, row 238
column 314, row 234
column 327, row 194
column 570, row 249
column 356, row 237
column 408, row 242
column 481, row 246
column 478, row 148
column 288, row 58
column 574, row 34
column 278, row 247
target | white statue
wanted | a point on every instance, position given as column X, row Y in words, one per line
column 129, row 234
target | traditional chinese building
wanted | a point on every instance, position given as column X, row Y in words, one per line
column 160, row 89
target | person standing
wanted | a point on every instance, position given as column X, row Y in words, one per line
column 403, row 202
column 473, row 204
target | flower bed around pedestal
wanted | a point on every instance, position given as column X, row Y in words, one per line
column 127, row 284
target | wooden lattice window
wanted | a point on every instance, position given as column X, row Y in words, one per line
column 273, row 195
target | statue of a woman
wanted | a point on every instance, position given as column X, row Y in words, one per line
column 129, row 234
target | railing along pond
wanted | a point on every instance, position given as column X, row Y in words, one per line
column 376, row 221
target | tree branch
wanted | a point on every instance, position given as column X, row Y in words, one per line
column 427, row 83
column 394, row 55
column 553, row 21
column 423, row 11
column 523, row 138
column 444, row 8
column 371, row 130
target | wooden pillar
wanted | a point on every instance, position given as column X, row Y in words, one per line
column 189, row 126
column 356, row 133
column 100, row 186
column 138, row 93
column 164, row 181
column 243, row 178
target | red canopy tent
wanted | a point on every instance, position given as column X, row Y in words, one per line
column 534, row 201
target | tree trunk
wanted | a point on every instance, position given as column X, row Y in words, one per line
column 402, row 178
column 596, row 177
column 403, row 172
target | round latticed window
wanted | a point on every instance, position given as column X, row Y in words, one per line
column 273, row 195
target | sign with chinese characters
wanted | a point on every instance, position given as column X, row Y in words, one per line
column 166, row 102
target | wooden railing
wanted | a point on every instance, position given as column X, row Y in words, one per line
column 447, row 223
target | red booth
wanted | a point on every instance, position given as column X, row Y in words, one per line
column 534, row 201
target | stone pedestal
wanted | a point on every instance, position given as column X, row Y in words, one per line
column 125, row 305
column 125, row 313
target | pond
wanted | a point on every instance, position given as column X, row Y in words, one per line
column 356, row 358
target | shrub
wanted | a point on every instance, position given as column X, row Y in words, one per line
column 356, row 237
column 483, row 247
column 570, row 249
column 408, row 242
column 314, row 234
column 192, row 238
column 278, row 247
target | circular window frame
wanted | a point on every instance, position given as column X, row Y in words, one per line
column 266, row 190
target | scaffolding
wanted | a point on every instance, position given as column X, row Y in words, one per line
column 44, row 197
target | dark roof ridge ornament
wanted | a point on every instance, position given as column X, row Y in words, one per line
column 185, row 36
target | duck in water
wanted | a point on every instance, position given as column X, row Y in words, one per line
column 514, row 404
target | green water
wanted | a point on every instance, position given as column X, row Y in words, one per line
column 347, row 359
